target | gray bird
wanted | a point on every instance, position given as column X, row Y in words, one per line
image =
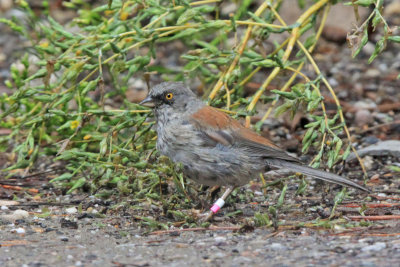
column 214, row 148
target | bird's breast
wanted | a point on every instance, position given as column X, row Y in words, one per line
column 174, row 134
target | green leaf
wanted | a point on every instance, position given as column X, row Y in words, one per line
column 288, row 95
column 283, row 108
column 12, row 25
column 282, row 197
column 78, row 184
column 395, row 39
column 261, row 219
column 267, row 63
column 364, row 41
column 187, row 15
column 39, row 74
column 56, row 26
column 307, row 135
column 364, row 3
column 346, row 152
column 62, row 177
column 380, row 45
column 394, row 168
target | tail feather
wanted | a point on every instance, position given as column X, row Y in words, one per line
column 318, row 174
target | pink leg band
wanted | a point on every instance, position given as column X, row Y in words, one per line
column 214, row 208
column 217, row 205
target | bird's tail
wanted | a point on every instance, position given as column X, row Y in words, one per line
column 318, row 174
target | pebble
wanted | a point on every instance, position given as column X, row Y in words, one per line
column 219, row 240
column 4, row 208
column 71, row 210
column 368, row 48
column 333, row 82
column 6, row 5
column 368, row 104
column 374, row 177
column 373, row 73
column 368, row 162
column 21, row 214
column 19, row 230
column 17, row 215
column 277, row 246
column 378, row 246
column 370, row 140
column 363, row 117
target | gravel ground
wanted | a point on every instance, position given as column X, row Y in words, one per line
column 91, row 246
column 97, row 235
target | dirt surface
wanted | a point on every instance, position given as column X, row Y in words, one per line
column 88, row 246
column 45, row 227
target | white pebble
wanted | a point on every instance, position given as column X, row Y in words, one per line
column 21, row 214
column 17, row 215
column 71, row 210
column 378, row 246
column 19, row 230
column 277, row 246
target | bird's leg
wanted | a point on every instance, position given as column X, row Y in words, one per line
column 217, row 205
column 210, row 195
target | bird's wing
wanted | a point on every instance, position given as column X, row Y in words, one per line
column 216, row 127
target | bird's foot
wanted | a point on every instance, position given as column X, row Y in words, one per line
column 206, row 216
column 214, row 209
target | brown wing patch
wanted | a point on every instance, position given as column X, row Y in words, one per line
column 218, row 120
column 213, row 118
column 221, row 128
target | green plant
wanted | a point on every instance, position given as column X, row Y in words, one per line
column 59, row 109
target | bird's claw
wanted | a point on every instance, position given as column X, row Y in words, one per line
column 206, row 216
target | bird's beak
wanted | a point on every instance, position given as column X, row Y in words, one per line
column 148, row 102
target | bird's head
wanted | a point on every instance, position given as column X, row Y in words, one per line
column 168, row 94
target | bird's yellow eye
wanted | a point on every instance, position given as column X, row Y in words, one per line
column 169, row 96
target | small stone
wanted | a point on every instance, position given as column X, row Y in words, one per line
column 8, row 202
column 368, row 104
column 368, row 48
column 368, row 162
column 5, row 5
column 219, row 240
column 94, row 211
column 4, row 208
column 68, row 224
column 19, row 230
column 277, row 246
column 374, row 177
column 71, row 210
column 17, row 215
column 363, row 117
column 333, row 82
column 64, row 238
column 21, row 214
column 372, row 73
column 339, row 250
column 334, row 34
column 378, row 246
column 370, row 140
